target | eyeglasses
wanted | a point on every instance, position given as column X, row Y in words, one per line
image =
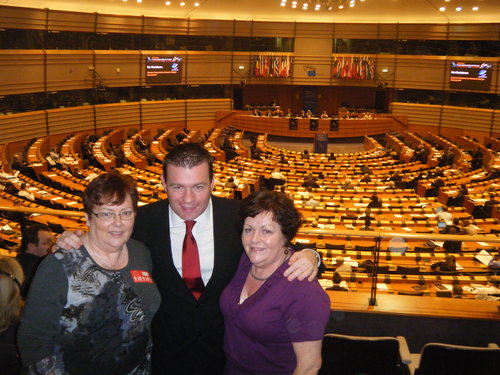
column 111, row 216
column 12, row 277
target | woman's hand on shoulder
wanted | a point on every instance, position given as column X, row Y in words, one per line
column 69, row 240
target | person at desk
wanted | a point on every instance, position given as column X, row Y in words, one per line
column 25, row 193
column 452, row 246
column 230, row 183
column 341, row 265
column 367, row 225
column 375, row 202
column 494, row 264
column 324, row 115
column 337, row 279
column 444, row 215
column 36, row 244
column 302, row 114
column 367, row 215
column 309, row 114
column 448, row 265
column 468, row 228
column 289, row 113
column 490, row 292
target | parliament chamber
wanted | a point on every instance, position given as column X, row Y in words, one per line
column 427, row 159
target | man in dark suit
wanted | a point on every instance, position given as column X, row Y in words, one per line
column 188, row 331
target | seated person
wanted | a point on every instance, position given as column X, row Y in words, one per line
column 451, row 246
column 337, row 279
column 444, row 215
column 367, row 225
column 324, row 114
column 448, row 265
column 375, row 202
column 468, row 228
column 367, row 215
column 341, row 266
column 494, row 264
column 230, row 183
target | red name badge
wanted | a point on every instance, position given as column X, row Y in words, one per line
column 141, row 277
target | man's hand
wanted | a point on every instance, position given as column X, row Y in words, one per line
column 303, row 264
column 70, row 240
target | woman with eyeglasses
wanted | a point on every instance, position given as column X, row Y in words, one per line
column 11, row 279
column 89, row 310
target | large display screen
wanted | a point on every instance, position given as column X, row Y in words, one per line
column 163, row 69
column 470, row 75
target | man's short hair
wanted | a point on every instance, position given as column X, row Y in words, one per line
column 30, row 235
column 188, row 155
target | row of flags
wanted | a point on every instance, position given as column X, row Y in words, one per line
column 270, row 66
column 344, row 67
column 353, row 67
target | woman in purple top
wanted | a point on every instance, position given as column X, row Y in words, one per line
column 272, row 326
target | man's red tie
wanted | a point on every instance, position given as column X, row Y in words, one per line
column 191, row 262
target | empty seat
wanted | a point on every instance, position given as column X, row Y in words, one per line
column 444, row 359
column 349, row 355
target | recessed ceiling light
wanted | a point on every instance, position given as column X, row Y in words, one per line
column 139, row 1
column 168, row 2
column 182, row 3
column 458, row 9
column 385, row 70
column 196, row 4
column 341, row 7
column 442, row 9
column 475, row 8
column 283, row 4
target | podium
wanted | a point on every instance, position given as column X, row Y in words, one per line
column 321, row 143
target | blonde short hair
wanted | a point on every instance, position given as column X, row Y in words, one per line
column 11, row 279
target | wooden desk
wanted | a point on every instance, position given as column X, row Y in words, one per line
column 346, row 128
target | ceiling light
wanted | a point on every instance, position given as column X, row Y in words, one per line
column 139, row 1
column 182, row 3
column 475, row 8
column 283, row 4
column 124, row 1
column 167, row 3
column 385, row 70
column 442, row 9
column 341, row 6
column 458, row 9
column 196, row 4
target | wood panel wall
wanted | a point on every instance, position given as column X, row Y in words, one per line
column 24, row 126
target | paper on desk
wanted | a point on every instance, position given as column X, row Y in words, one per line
column 382, row 286
column 458, row 266
column 406, row 229
column 302, row 240
column 483, row 244
column 430, row 215
column 398, row 215
column 438, row 243
column 6, row 227
column 484, row 257
column 343, row 284
column 325, row 283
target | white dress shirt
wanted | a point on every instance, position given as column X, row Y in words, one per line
column 203, row 232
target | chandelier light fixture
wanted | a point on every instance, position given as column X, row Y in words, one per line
column 320, row 5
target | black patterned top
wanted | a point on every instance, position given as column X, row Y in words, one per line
column 83, row 319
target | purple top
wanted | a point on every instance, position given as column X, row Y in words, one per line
column 259, row 332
